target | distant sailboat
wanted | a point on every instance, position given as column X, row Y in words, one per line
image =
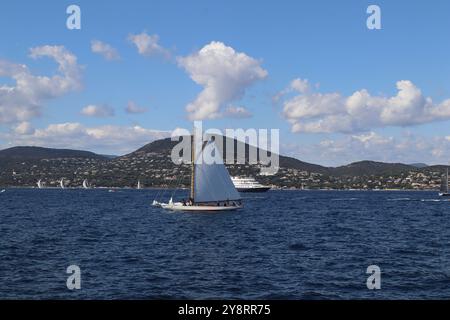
column 61, row 183
column 444, row 186
column 39, row 184
column 211, row 185
column 85, row 184
column 138, row 185
column 3, row 190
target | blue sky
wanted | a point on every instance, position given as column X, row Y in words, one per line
column 325, row 42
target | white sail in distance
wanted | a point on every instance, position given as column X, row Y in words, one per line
column 39, row 184
column 85, row 184
column 444, row 184
column 61, row 183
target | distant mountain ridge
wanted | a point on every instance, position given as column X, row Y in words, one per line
column 359, row 168
column 367, row 167
column 151, row 164
column 166, row 145
column 418, row 165
column 25, row 152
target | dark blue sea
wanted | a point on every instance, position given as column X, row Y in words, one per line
column 282, row 245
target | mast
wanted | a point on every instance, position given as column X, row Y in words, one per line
column 192, row 166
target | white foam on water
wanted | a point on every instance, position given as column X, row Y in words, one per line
column 399, row 199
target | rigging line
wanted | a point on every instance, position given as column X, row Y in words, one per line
column 164, row 191
column 167, row 187
column 160, row 193
column 157, row 194
column 177, row 184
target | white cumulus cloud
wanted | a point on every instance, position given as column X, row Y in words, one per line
column 317, row 112
column 109, row 139
column 225, row 76
column 105, row 50
column 148, row 45
column 25, row 99
column 132, row 107
column 237, row 112
column 405, row 148
column 24, row 128
column 99, row 111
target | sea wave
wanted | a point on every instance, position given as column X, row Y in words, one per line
column 400, row 199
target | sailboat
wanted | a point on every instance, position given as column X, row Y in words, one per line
column 61, row 183
column 211, row 186
column 138, row 185
column 444, row 186
column 85, row 184
column 39, row 184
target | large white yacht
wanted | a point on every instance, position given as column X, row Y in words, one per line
column 246, row 184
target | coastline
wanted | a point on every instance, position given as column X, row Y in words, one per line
column 185, row 188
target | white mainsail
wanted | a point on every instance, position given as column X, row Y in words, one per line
column 61, row 183
column 212, row 181
column 85, row 184
column 39, row 184
column 139, row 184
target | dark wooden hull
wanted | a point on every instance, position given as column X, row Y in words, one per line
column 444, row 194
